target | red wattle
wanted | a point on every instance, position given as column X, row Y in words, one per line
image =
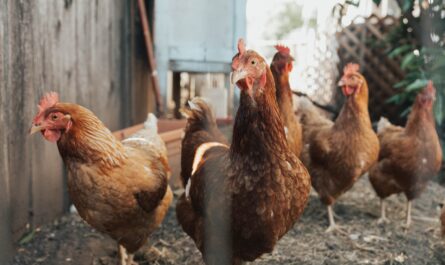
column 52, row 135
column 347, row 90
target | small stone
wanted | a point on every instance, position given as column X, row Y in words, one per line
column 354, row 236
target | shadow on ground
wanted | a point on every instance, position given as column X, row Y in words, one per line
column 70, row 241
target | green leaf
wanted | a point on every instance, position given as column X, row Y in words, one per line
column 355, row 3
column 413, row 76
column 405, row 112
column 439, row 110
column 399, row 50
column 377, row 2
column 418, row 84
column 402, row 83
column 27, row 238
column 394, row 99
column 407, row 4
column 407, row 60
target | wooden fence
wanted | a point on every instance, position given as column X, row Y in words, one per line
column 92, row 53
column 363, row 42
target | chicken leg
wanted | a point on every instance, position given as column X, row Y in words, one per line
column 125, row 258
column 332, row 226
column 408, row 214
column 382, row 219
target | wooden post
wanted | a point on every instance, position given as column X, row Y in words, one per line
column 151, row 57
column 177, row 93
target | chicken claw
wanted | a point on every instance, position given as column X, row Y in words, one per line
column 130, row 260
column 332, row 226
column 125, row 258
column 383, row 220
column 336, row 228
column 122, row 255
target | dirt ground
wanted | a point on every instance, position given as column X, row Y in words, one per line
column 70, row 241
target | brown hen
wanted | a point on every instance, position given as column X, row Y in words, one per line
column 201, row 128
column 119, row 188
column 409, row 157
column 281, row 67
column 242, row 199
column 338, row 153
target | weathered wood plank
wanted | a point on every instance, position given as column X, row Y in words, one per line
column 79, row 49
column 17, row 108
column 47, row 74
column 5, row 209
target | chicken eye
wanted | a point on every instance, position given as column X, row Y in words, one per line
column 253, row 62
column 54, row 117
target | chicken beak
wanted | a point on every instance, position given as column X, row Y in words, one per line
column 35, row 128
column 341, row 82
column 237, row 75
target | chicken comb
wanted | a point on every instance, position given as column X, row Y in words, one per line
column 430, row 86
column 47, row 101
column 284, row 50
column 351, row 68
column 430, row 89
column 241, row 46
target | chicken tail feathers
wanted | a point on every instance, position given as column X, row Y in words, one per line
column 151, row 122
column 307, row 111
column 306, row 107
column 383, row 124
column 148, row 138
column 199, row 113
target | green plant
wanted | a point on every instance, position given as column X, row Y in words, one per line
column 419, row 43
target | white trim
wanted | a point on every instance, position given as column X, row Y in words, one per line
column 200, row 151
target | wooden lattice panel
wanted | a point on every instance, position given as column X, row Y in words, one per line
column 322, row 74
column 363, row 43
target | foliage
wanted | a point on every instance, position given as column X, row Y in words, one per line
column 419, row 43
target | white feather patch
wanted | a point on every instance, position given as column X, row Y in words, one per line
column 194, row 106
column 382, row 124
column 151, row 122
column 136, row 139
column 202, row 149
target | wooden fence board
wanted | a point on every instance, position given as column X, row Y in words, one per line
column 5, row 209
column 88, row 52
column 17, row 108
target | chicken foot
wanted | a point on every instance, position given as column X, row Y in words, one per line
column 125, row 258
column 382, row 219
column 332, row 226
